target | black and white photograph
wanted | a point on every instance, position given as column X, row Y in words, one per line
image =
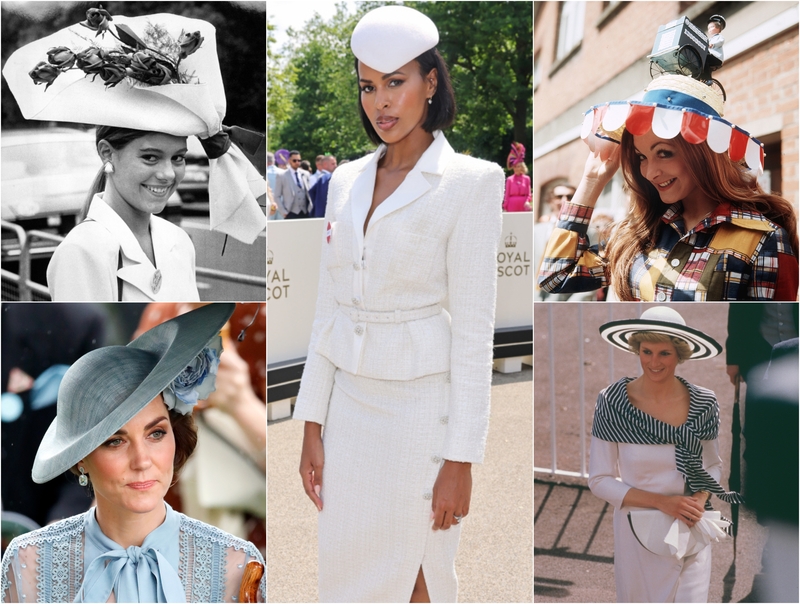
column 133, row 151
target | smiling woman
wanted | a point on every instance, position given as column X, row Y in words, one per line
column 122, row 251
column 148, row 82
column 655, row 456
column 699, row 225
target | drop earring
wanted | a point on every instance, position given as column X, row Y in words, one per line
column 83, row 479
column 430, row 101
column 108, row 167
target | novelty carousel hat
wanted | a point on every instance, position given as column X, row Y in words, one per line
column 390, row 36
column 671, row 105
column 157, row 73
column 664, row 320
column 107, row 387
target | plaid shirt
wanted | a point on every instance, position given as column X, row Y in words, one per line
column 731, row 254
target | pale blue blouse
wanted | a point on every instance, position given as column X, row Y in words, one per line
column 183, row 560
column 137, row 574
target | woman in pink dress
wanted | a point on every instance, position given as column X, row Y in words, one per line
column 518, row 185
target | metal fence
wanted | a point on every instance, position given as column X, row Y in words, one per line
column 580, row 342
column 24, row 245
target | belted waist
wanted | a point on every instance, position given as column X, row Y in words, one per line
column 391, row 316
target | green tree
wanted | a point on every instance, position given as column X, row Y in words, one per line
column 279, row 85
column 488, row 47
column 323, row 91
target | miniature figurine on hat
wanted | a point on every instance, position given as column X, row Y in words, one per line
column 716, row 23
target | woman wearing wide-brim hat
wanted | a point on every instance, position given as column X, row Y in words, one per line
column 124, row 427
column 655, row 457
column 401, row 385
column 148, row 83
column 699, row 226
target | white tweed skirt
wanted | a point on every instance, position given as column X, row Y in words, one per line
column 383, row 441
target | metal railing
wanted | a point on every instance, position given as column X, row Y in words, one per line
column 580, row 343
column 19, row 286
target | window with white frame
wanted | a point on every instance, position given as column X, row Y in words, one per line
column 570, row 27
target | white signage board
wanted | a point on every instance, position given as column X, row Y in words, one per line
column 515, row 271
column 293, row 256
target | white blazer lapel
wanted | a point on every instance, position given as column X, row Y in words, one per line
column 137, row 269
column 361, row 195
column 415, row 184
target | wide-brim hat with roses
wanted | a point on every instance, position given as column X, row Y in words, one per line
column 106, row 388
column 671, row 105
column 156, row 73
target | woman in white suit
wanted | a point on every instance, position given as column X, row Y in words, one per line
column 401, row 385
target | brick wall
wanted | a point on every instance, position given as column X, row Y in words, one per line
column 603, row 54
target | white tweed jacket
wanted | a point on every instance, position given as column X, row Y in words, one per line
column 433, row 241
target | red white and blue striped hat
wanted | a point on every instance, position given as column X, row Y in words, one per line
column 672, row 105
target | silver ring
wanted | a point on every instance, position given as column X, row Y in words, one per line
column 457, row 518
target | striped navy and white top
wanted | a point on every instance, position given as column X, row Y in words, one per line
column 617, row 420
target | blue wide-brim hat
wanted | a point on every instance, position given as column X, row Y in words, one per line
column 663, row 320
column 107, row 387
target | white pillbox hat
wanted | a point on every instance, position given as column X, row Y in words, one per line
column 388, row 37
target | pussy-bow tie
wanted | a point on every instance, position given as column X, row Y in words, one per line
column 128, row 572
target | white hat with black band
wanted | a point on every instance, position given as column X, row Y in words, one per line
column 664, row 320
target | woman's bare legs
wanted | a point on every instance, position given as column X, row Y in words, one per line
column 420, row 593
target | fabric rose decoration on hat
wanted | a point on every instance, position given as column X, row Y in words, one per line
column 197, row 380
column 154, row 62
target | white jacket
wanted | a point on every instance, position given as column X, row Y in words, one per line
column 433, row 241
column 84, row 266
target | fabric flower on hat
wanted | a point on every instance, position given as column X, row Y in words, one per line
column 197, row 381
column 147, row 61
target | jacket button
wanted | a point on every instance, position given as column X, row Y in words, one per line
column 356, row 301
column 359, row 330
column 675, row 262
column 427, row 496
column 356, row 266
column 443, row 420
column 661, row 296
column 436, row 459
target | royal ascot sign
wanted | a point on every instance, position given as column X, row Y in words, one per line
column 293, row 258
column 294, row 248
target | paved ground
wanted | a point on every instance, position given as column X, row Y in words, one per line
column 494, row 561
column 573, row 548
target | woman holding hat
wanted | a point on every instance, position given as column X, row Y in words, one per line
column 148, row 83
column 699, row 225
column 654, row 447
column 124, row 426
column 518, row 185
column 401, row 385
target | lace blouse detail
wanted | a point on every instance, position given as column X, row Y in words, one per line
column 47, row 565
